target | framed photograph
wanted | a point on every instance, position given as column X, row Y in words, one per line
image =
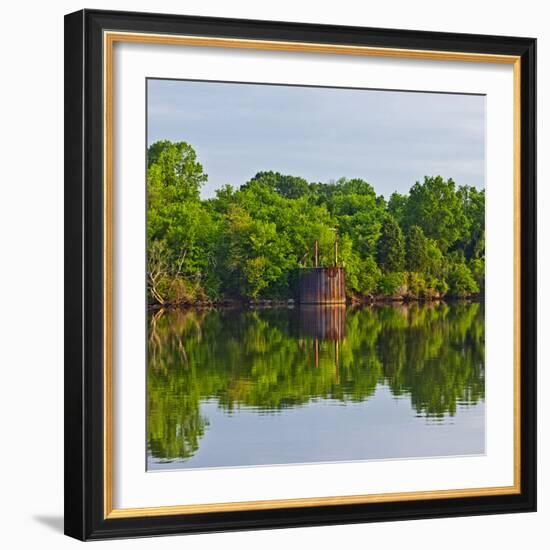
column 300, row 274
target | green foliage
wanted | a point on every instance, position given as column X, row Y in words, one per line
column 357, row 210
column 390, row 284
column 397, row 206
column 417, row 285
column 174, row 166
column 362, row 275
column 477, row 267
column 437, row 208
column 251, row 241
column 182, row 233
column 290, row 187
column 473, row 205
column 441, row 286
column 391, row 246
column 417, row 250
column 435, row 259
column 461, row 281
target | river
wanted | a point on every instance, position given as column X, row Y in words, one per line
column 247, row 387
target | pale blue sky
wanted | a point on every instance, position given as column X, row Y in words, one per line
column 391, row 139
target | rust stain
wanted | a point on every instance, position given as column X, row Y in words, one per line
column 322, row 285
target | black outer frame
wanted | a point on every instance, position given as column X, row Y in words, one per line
column 84, row 412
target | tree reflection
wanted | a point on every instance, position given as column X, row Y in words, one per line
column 273, row 359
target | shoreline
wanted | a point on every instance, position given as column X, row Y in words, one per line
column 290, row 303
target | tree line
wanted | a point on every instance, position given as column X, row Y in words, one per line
column 250, row 242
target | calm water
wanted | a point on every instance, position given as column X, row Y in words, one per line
column 278, row 386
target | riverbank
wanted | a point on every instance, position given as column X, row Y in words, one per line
column 276, row 303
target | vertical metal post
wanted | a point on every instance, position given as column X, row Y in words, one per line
column 316, row 254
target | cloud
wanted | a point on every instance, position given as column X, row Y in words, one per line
column 389, row 138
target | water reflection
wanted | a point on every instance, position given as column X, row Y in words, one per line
column 209, row 366
column 322, row 322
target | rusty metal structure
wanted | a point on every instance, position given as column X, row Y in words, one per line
column 322, row 299
column 322, row 285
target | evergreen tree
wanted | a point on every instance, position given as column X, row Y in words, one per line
column 417, row 250
column 391, row 246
